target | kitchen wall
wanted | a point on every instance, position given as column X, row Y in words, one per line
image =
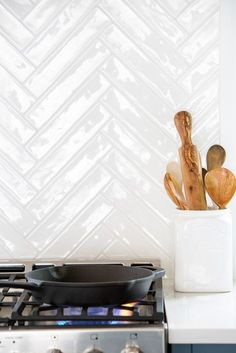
column 227, row 94
column 88, row 91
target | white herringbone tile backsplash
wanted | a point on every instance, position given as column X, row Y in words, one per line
column 88, row 90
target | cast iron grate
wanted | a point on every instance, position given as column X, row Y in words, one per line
column 19, row 308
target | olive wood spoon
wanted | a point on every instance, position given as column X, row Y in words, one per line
column 173, row 168
column 220, row 184
column 215, row 157
column 204, row 171
column 173, row 193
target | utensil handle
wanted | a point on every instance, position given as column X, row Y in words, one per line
column 192, row 177
column 22, row 285
column 183, row 123
column 158, row 272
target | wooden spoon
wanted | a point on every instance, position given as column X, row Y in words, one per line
column 174, row 194
column 173, row 168
column 204, row 171
column 215, row 157
column 220, row 184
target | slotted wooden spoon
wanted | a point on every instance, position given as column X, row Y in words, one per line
column 215, row 157
column 173, row 192
column 220, row 184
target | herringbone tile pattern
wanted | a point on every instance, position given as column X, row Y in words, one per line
column 88, row 90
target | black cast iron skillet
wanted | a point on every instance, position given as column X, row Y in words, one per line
column 90, row 284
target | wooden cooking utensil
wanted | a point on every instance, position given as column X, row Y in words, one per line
column 215, row 157
column 172, row 190
column 173, row 168
column 190, row 164
column 204, row 171
column 221, row 185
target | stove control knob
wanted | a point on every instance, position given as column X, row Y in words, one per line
column 54, row 350
column 131, row 348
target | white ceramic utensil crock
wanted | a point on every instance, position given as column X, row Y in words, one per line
column 203, row 251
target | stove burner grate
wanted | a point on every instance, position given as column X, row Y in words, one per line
column 19, row 308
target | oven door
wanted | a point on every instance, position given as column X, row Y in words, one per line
column 146, row 339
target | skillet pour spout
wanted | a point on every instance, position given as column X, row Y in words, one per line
column 88, row 284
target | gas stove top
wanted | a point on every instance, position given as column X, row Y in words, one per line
column 29, row 326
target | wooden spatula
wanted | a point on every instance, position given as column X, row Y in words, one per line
column 220, row 184
column 190, row 164
column 215, row 157
column 173, row 192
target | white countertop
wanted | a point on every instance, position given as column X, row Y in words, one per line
column 200, row 317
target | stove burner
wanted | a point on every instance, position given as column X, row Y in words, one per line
column 18, row 308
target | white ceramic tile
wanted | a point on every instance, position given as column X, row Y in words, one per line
column 13, row 244
column 18, row 127
column 136, row 19
column 77, row 104
column 14, row 61
column 13, row 92
column 70, row 49
column 137, row 61
column 15, row 153
column 138, row 181
column 148, row 130
column 16, row 184
column 153, row 47
column 202, row 39
column 14, row 29
column 208, row 95
column 135, row 88
column 196, row 13
column 130, row 235
column 77, row 168
column 43, row 13
column 175, row 7
column 88, row 90
column 83, row 227
column 140, row 214
column 15, row 214
column 74, row 202
column 20, row 8
column 199, row 72
column 136, row 151
column 69, row 83
column 95, row 245
column 61, row 26
column 75, row 137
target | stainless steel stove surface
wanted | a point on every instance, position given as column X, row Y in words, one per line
column 27, row 326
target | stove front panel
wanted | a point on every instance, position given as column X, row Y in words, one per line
column 149, row 340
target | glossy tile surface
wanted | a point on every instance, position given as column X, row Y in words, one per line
column 87, row 97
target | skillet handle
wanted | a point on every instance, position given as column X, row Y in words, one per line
column 22, row 285
column 158, row 272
